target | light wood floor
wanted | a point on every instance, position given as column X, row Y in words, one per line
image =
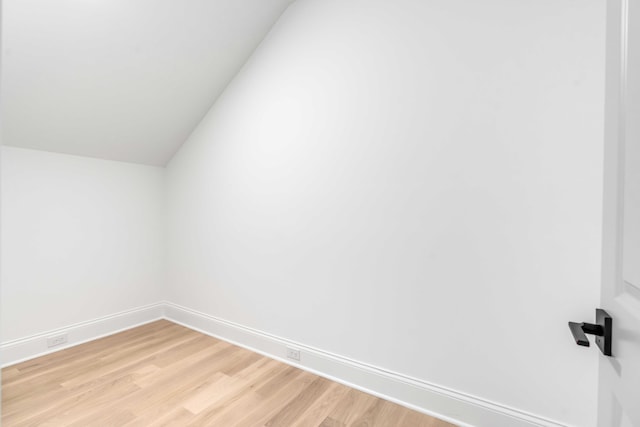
column 164, row 374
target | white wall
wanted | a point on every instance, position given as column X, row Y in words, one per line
column 412, row 184
column 81, row 238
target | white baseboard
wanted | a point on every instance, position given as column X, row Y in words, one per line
column 449, row 405
column 15, row 351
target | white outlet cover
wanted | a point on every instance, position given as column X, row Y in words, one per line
column 293, row 354
column 56, row 340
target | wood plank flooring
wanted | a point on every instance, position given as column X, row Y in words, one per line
column 162, row 374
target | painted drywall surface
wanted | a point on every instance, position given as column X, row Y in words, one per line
column 82, row 238
column 121, row 79
column 412, row 184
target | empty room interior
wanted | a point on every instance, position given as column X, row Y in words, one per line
column 320, row 213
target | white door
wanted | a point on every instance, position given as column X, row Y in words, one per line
column 619, row 387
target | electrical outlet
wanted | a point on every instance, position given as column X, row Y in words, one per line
column 293, row 354
column 57, row 340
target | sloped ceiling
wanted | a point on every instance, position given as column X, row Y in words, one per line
column 122, row 80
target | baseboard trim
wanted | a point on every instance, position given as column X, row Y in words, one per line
column 16, row 351
column 449, row 405
column 456, row 407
